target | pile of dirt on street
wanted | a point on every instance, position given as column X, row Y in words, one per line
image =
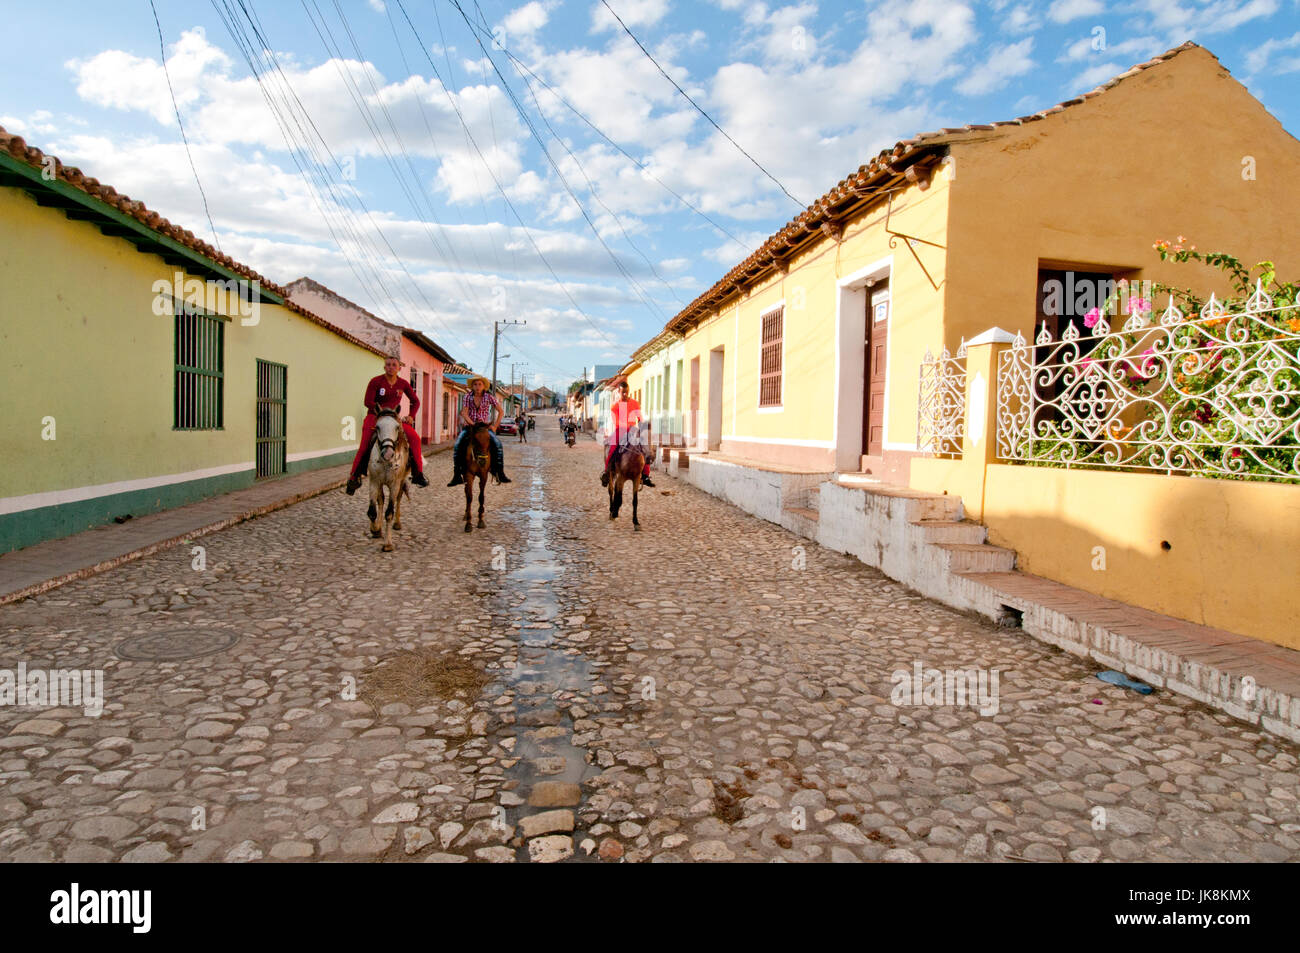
column 416, row 678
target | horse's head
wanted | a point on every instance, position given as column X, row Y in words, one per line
column 389, row 435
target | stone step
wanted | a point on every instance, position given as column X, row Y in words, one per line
column 952, row 531
column 803, row 512
column 857, row 479
column 977, row 557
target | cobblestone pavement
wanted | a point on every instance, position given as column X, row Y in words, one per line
column 710, row 688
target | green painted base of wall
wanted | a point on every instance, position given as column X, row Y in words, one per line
column 18, row 530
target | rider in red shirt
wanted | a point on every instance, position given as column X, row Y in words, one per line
column 625, row 414
column 385, row 391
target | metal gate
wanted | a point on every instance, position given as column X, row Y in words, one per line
column 272, row 417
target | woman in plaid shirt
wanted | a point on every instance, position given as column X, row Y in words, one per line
column 480, row 407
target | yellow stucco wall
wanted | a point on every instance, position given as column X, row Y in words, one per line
column 1157, row 156
column 810, row 292
column 79, row 342
column 1232, row 558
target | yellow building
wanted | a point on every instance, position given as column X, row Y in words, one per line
column 805, row 357
column 143, row 369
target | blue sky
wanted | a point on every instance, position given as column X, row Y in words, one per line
column 416, row 184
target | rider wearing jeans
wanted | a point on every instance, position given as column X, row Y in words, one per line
column 479, row 407
column 385, row 391
column 625, row 414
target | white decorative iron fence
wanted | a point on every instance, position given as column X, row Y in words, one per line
column 941, row 403
column 1216, row 395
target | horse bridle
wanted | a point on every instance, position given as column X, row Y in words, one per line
column 387, row 443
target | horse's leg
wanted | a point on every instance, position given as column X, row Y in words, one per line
column 613, row 510
column 389, row 511
column 469, row 499
column 482, row 489
column 376, row 501
column 636, row 486
column 401, row 485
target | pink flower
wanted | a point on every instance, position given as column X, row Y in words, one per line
column 1088, row 365
column 1091, row 318
column 1138, row 306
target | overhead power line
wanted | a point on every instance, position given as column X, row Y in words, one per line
column 699, row 108
column 162, row 56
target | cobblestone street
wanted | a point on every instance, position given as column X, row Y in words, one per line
column 711, row 688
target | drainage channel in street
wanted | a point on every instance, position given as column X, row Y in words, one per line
column 549, row 683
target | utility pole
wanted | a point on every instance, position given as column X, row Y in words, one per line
column 496, row 333
column 512, row 381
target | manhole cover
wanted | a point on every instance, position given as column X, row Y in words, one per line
column 172, row 645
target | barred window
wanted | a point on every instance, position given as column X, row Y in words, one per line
column 769, row 375
column 200, row 354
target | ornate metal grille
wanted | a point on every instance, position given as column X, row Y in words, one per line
column 1217, row 395
column 941, row 403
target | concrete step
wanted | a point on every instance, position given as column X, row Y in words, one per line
column 952, row 531
column 978, row 557
column 857, row 479
column 803, row 512
column 815, row 498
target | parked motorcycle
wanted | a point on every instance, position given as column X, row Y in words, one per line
column 570, row 435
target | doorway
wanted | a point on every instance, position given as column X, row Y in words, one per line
column 715, row 398
column 693, row 424
column 876, row 361
column 272, row 417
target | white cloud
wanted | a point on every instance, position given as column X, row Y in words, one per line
column 1063, row 11
column 1180, row 20
column 377, row 5
column 1021, row 20
column 998, row 69
column 525, row 20
column 1138, row 49
column 121, row 80
column 633, row 13
column 1257, row 59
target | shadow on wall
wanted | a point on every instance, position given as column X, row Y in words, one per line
column 1223, row 553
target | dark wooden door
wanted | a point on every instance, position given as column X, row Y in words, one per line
column 877, row 353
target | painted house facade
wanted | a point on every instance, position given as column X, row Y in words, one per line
column 423, row 361
column 808, row 353
column 180, row 372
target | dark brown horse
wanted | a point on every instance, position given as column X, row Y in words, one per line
column 627, row 466
column 477, row 462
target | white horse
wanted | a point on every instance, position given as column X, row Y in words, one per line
column 390, row 463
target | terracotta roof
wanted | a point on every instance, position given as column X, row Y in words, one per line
column 869, row 180
column 16, row 147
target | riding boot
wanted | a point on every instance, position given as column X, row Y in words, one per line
column 457, row 478
column 354, row 484
column 458, row 451
column 645, row 480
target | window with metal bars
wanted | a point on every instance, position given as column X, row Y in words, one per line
column 200, row 354
column 769, row 373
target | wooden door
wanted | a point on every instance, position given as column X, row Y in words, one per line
column 876, row 358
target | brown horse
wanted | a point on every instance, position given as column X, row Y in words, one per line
column 627, row 465
column 477, row 462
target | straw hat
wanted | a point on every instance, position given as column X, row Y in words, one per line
column 478, row 377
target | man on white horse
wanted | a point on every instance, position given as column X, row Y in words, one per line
column 385, row 391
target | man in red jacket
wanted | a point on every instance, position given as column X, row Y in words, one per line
column 386, row 391
column 624, row 417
